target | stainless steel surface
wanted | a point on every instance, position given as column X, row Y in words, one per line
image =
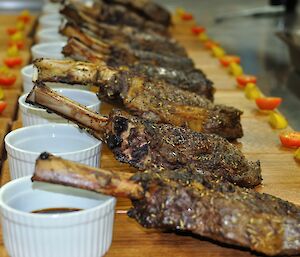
column 253, row 38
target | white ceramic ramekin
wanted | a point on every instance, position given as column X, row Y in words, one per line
column 50, row 35
column 27, row 75
column 32, row 115
column 24, row 145
column 85, row 233
column 51, row 8
column 50, row 21
column 48, row 50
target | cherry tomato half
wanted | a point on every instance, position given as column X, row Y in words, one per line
column 227, row 59
column 187, row 17
column 2, row 106
column 290, row 139
column 19, row 44
column 196, row 30
column 243, row 80
column 209, row 44
column 268, row 103
column 7, row 80
column 12, row 30
column 13, row 61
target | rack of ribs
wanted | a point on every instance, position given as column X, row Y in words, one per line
column 121, row 55
column 156, row 101
column 188, row 201
column 117, row 35
column 122, row 32
column 146, row 8
column 94, row 50
column 144, row 144
column 115, row 14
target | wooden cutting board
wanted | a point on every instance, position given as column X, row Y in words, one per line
column 280, row 171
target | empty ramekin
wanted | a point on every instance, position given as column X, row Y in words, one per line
column 24, row 145
column 32, row 115
column 48, row 50
column 27, row 75
column 50, row 21
column 51, row 8
column 83, row 233
column 50, row 35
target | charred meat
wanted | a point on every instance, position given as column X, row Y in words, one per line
column 188, row 201
column 94, row 50
column 121, row 55
column 159, row 102
column 147, row 9
column 144, row 144
column 115, row 14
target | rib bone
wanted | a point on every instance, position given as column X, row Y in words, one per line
column 56, row 170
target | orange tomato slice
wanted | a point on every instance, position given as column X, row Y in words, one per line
column 2, row 106
column 196, row 30
column 290, row 139
column 11, row 30
column 243, row 80
column 209, row 44
column 268, row 103
column 13, row 61
column 187, row 17
column 227, row 59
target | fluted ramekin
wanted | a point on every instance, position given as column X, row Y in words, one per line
column 52, row 20
column 51, row 50
column 50, row 35
column 27, row 76
column 51, row 8
column 84, row 233
column 24, row 145
column 32, row 115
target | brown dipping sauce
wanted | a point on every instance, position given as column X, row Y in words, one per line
column 55, row 210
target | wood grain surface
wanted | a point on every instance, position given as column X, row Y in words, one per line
column 280, row 171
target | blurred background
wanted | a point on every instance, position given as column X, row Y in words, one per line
column 249, row 29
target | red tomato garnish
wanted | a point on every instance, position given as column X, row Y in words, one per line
column 13, row 61
column 19, row 44
column 243, row 80
column 227, row 59
column 197, row 30
column 11, row 31
column 7, row 80
column 290, row 139
column 2, row 106
column 209, row 44
column 268, row 103
column 187, row 17
column 24, row 18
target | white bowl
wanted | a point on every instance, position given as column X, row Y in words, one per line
column 48, row 50
column 24, row 145
column 50, row 35
column 50, row 21
column 32, row 115
column 51, row 8
column 83, row 233
column 27, row 75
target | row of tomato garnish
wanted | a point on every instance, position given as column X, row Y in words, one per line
column 290, row 139
column 12, row 59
